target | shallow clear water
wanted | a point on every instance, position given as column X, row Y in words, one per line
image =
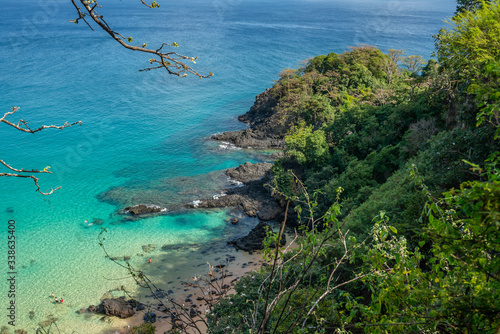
column 143, row 137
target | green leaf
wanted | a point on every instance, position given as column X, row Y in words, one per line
column 393, row 229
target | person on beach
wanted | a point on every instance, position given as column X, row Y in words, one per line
column 53, row 295
column 61, row 301
column 56, row 300
column 149, row 261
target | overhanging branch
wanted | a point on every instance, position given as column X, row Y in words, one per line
column 171, row 61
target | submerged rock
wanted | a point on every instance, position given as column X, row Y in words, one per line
column 150, row 317
column 97, row 221
column 117, row 307
column 141, row 209
column 254, row 198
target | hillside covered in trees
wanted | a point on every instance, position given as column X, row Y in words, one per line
column 392, row 166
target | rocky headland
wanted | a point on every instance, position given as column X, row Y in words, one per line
column 265, row 131
column 254, row 197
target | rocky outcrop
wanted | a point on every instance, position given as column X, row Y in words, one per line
column 142, row 209
column 254, row 240
column 266, row 130
column 251, row 138
column 118, row 307
column 249, row 205
column 249, row 172
column 254, row 198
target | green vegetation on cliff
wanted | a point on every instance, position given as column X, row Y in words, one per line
column 393, row 166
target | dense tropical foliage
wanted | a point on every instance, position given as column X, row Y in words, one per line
column 393, row 165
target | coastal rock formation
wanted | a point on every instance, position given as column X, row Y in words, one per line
column 254, row 198
column 141, row 209
column 265, row 129
column 254, row 240
column 249, row 172
column 118, row 307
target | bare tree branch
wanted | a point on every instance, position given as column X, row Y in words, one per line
column 35, row 179
column 23, row 126
column 171, row 61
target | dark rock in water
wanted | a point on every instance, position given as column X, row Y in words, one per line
column 188, row 300
column 162, row 293
column 48, row 322
column 254, row 240
column 268, row 213
column 118, row 307
column 192, row 313
column 254, row 199
column 92, row 308
column 249, row 172
column 32, row 314
column 234, row 221
column 20, row 331
column 140, row 307
column 98, row 221
column 141, row 209
column 150, row 317
column 177, row 246
column 9, row 209
column 266, row 130
column 126, row 258
column 81, row 311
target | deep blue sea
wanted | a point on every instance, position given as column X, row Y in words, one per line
column 143, row 137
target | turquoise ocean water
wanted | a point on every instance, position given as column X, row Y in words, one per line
column 144, row 134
